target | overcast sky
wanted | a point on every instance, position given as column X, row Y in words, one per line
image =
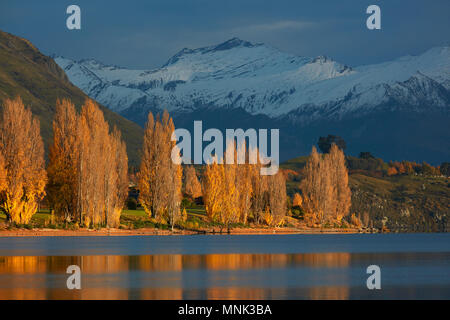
column 145, row 34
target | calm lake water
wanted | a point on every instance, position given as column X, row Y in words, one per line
column 413, row 266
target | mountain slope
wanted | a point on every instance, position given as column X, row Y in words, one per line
column 24, row 71
column 306, row 97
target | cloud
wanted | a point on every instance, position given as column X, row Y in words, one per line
column 279, row 26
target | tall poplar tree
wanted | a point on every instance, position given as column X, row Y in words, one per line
column 63, row 162
column 159, row 178
column 22, row 149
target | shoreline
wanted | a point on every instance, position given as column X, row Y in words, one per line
column 157, row 232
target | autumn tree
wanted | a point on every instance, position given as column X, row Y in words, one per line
column 220, row 192
column 22, row 150
column 234, row 192
column 243, row 175
column 93, row 139
column 192, row 186
column 326, row 195
column 277, row 197
column 115, row 179
column 174, row 185
column 227, row 190
column 3, row 175
column 339, row 181
column 244, row 187
column 297, row 201
column 63, row 162
column 260, row 192
column 212, row 189
column 88, row 167
column 316, row 187
column 159, row 177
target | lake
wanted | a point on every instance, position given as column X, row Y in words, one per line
column 413, row 266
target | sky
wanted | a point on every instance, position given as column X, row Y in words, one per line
column 145, row 34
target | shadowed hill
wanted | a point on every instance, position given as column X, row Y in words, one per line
column 39, row 81
column 408, row 202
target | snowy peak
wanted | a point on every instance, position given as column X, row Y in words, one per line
column 263, row 80
column 227, row 45
column 233, row 43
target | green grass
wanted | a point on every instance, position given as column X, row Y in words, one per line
column 130, row 219
column 295, row 164
column 134, row 213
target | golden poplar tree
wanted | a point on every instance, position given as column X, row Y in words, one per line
column 192, row 186
column 159, row 179
column 297, row 200
column 230, row 194
column 103, row 168
column 22, row 149
column 315, row 187
column 115, row 179
column 277, row 198
column 3, row 175
column 260, row 192
column 88, row 167
column 339, row 179
column 63, row 162
column 326, row 194
column 244, row 186
column 174, row 178
column 94, row 148
column 212, row 189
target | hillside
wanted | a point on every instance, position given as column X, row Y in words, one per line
column 26, row 72
column 411, row 203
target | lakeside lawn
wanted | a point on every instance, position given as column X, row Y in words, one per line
column 130, row 219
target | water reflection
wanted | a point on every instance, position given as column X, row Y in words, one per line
column 225, row 276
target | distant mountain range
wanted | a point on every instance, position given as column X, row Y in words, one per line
column 39, row 81
column 397, row 109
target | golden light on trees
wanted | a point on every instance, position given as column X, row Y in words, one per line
column 3, row 174
column 192, row 186
column 22, row 151
column 159, row 179
column 88, row 167
column 326, row 194
column 115, row 178
column 277, row 198
column 234, row 192
column 297, row 200
column 212, row 186
column 63, row 162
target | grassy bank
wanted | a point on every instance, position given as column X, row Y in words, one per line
column 136, row 222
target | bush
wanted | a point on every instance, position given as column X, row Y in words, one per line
column 297, row 213
column 445, row 169
column 186, row 203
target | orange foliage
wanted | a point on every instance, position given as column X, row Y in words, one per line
column 22, row 151
column 327, row 196
column 297, row 201
column 88, row 167
column 159, row 177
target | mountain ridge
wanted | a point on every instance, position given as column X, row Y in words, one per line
column 264, row 79
column 288, row 91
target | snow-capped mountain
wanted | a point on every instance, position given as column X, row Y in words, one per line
column 263, row 80
column 240, row 84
